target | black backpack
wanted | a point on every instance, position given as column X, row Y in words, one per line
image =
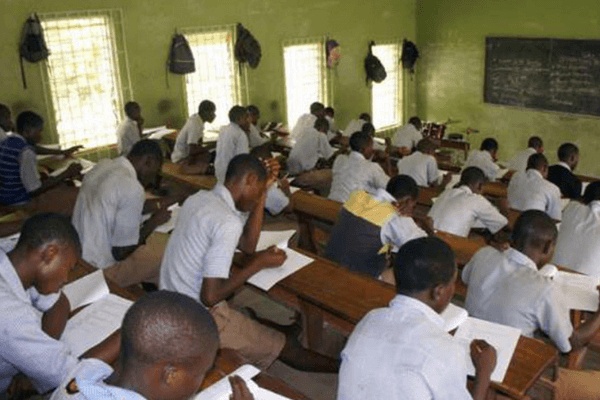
column 181, row 59
column 373, row 67
column 33, row 45
column 410, row 53
column 247, row 49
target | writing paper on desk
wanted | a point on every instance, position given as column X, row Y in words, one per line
column 170, row 224
column 159, row 133
column 95, row 323
column 579, row 290
column 274, row 238
column 453, row 316
column 86, row 166
column 503, row 338
column 268, row 277
column 86, row 290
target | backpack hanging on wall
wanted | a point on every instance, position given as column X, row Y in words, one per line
column 247, row 49
column 181, row 59
column 410, row 53
column 33, row 45
column 373, row 67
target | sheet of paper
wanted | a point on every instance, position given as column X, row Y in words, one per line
column 160, row 134
column 222, row 389
column 170, row 224
column 267, row 278
column 86, row 290
column 453, row 316
column 95, row 323
column 503, row 338
column 86, row 166
column 149, row 131
column 294, row 189
column 579, row 290
column 274, row 238
column 584, row 185
column 501, row 173
column 9, row 242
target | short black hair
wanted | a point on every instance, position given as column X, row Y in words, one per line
column 537, row 161
column 316, row 107
column 4, row 110
column 535, row 142
column 167, row 326
column 44, row 228
column 146, row 147
column 592, row 192
column 425, row 145
column 401, row 186
column 321, row 124
column 489, row 144
column 533, row 228
column 423, row 264
column 471, row 176
column 566, row 150
column 365, row 117
column 206, row 106
column 242, row 164
column 416, row 121
column 368, row 128
column 359, row 141
column 237, row 112
column 253, row 110
column 329, row 111
column 130, row 107
column 29, row 120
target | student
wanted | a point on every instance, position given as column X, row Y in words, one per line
column 356, row 171
column 529, row 190
column 256, row 138
column 578, row 243
column 168, row 344
column 18, row 165
column 34, row 312
column 307, row 121
column 356, row 125
column 370, row 226
column 129, row 132
column 485, row 159
column 519, row 162
column 188, row 150
column 233, row 141
column 407, row 136
column 422, row 165
column 561, row 174
column 402, row 351
column 197, row 262
column 310, row 148
column 108, row 216
column 333, row 132
column 458, row 209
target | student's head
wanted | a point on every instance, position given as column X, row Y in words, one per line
column 534, row 235
column 362, row 142
column 592, row 192
column 536, row 142
column 322, row 125
column 491, row 146
column 474, row 178
column 426, row 146
column 133, row 110
column 246, row 179
column 368, row 128
column 365, row 117
column 317, row 109
column 30, row 126
column 239, row 115
column 50, row 245
column 330, row 112
column 5, row 118
column 569, row 154
column 168, row 343
column 539, row 162
column 207, row 111
column 253, row 114
column 405, row 190
column 416, row 122
column 425, row 269
column 146, row 157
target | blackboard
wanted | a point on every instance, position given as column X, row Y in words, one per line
column 548, row 74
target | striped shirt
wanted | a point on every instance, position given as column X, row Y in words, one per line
column 18, row 169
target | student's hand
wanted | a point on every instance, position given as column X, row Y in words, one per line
column 484, row 358
column 72, row 171
column 273, row 167
column 284, row 185
column 69, row 152
column 161, row 216
column 270, row 258
column 239, row 390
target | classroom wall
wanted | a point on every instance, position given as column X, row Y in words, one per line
column 149, row 25
column 451, row 37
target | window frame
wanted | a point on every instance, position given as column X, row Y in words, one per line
column 400, row 100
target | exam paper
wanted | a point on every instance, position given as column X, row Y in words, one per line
column 453, row 316
column 158, row 132
column 503, row 338
column 274, row 238
column 95, row 323
column 501, row 173
column 170, row 224
column 86, row 290
column 86, row 166
column 268, row 277
column 579, row 290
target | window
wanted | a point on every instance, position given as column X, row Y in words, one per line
column 82, row 79
column 387, row 96
column 216, row 77
column 305, row 77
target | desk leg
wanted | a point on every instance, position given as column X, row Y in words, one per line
column 312, row 324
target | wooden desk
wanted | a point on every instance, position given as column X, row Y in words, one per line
column 495, row 189
column 197, row 182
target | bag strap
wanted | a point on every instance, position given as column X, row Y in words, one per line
column 23, row 79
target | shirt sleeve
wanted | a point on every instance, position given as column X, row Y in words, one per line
column 28, row 171
column 554, row 318
column 432, row 171
column 196, row 133
column 554, row 208
column 489, row 215
column 399, row 230
column 225, row 237
column 413, row 386
column 276, row 200
column 380, row 178
column 324, row 147
column 128, row 218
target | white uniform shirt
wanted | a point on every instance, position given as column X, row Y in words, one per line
column 309, row 148
column 519, row 162
column 578, row 244
column 528, row 190
column 304, row 123
column 3, row 134
column 89, row 376
column 28, row 171
column 128, row 134
column 506, row 288
column 108, row 210
column 24, row 347
column 483, row 160
column 202, row 245
column 421, row 167
column 457, row 210
column 354, row 126
column 191, row 133
column 255, row 139
column 402, row 352
column 232, row 141
column 407, row 136
column 354, row 172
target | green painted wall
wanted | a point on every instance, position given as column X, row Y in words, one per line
column 149, row 25
column 451, row 37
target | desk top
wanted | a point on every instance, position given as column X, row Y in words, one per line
column 200, row 182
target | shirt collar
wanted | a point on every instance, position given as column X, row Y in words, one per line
column 223, row 193
column 9, row 274
column 564, row 165
column 535, row 172
column 521, row 259
column 466, row 189
column 128, row 165
column 357, row 155
column 401, row 302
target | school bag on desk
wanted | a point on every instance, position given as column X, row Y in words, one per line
column 373, row 67
column 33, row 45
